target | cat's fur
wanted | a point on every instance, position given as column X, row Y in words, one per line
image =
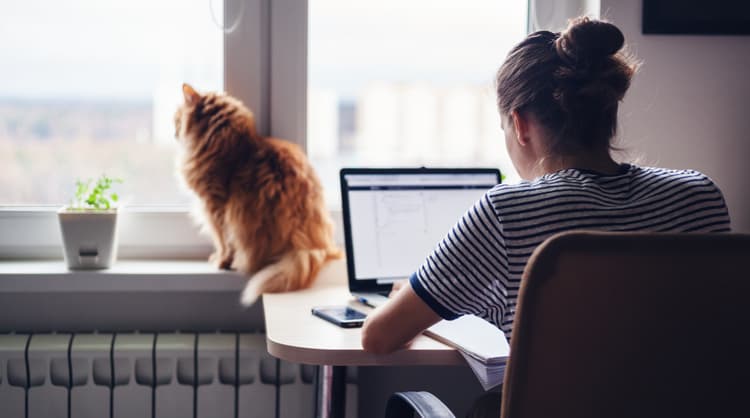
column 261, row 200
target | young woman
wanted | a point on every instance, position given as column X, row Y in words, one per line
column 558, row 95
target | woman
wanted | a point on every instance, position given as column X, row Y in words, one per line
column 558, row 96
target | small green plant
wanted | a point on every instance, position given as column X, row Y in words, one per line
column 97, row 197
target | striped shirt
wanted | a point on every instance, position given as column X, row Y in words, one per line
column 477, row 267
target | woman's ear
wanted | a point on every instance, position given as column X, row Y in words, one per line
column 521, row 126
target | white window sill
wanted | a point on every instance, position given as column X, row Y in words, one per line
column 144, row 295
column 124, row 275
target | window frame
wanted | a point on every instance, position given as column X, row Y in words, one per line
column 265, row 66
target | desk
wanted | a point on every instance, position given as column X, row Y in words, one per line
column 295, row 335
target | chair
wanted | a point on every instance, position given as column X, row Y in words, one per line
column 630, row 325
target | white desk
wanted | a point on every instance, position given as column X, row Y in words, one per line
column 294, row 334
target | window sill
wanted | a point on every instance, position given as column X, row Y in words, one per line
column 144, row 295
column 124, row 276
column 133, row 295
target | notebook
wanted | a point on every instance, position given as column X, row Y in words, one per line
column 394, row 217
column 483, row 346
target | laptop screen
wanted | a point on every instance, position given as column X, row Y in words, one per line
column 394, row 218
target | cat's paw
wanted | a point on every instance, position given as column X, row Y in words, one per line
column 223, row 262
column 226, row 263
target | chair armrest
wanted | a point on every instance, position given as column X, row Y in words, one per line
column 425, row 404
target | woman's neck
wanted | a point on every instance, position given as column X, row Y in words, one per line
column 600, row 162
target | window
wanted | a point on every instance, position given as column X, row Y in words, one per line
column 90, row 87
column 407, row 83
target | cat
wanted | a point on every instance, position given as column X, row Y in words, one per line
column 261, row 200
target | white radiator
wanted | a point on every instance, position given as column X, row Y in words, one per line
column 154, row 375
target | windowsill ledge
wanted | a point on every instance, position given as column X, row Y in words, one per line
column 136, row 276
column 124, row 275
column 145, row 295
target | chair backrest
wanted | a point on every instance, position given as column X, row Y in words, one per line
column 632, row 325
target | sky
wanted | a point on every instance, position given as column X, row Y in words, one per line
column 123, row 49
column 106, row 48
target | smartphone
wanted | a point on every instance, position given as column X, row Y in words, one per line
column 342, row 316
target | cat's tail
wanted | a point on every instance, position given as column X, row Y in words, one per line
column 295, row 270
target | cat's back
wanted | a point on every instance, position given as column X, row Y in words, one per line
column 286, row 148
column 278, row 167
column 287, row 156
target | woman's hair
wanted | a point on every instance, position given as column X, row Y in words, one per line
column 571, row 82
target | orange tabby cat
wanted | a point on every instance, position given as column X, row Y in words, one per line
column 262, row 202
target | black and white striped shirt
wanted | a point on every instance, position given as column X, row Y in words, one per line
column 477, row 267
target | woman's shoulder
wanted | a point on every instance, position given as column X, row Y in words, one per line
column 547, row 183
column 675, row 177
column 632, row 179
column 527, row 192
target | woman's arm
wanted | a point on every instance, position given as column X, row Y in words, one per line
column 397, row 322
column 461, row 276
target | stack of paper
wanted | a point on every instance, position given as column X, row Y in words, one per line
column 482, row 344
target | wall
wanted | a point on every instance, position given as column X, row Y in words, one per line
column 687, row 107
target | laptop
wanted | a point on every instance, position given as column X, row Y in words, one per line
column 394, row 217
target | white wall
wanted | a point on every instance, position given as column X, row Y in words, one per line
column 688, row 105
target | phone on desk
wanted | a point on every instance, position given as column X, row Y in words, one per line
column 342, row 316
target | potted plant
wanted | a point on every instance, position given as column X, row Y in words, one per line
column 89, row 225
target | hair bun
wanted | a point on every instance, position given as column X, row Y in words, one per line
column 589, row 40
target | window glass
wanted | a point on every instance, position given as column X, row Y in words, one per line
column 90, row 87
column 407, row 83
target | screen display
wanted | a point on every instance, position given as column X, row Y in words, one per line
column 398, row 219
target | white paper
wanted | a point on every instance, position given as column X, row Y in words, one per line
column 474, row 336
column 482, row 344
column 488, row 376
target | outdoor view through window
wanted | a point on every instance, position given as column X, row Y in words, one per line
column 90, row 87
column 407, row 83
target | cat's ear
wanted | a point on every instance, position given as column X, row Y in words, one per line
column 191, row 96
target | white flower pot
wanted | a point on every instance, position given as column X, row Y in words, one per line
column 89, row 237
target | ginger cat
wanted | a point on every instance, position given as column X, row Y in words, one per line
column 261, row 199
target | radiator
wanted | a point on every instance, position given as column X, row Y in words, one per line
column 156, row 375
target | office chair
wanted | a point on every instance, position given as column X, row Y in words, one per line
column 627, row 325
